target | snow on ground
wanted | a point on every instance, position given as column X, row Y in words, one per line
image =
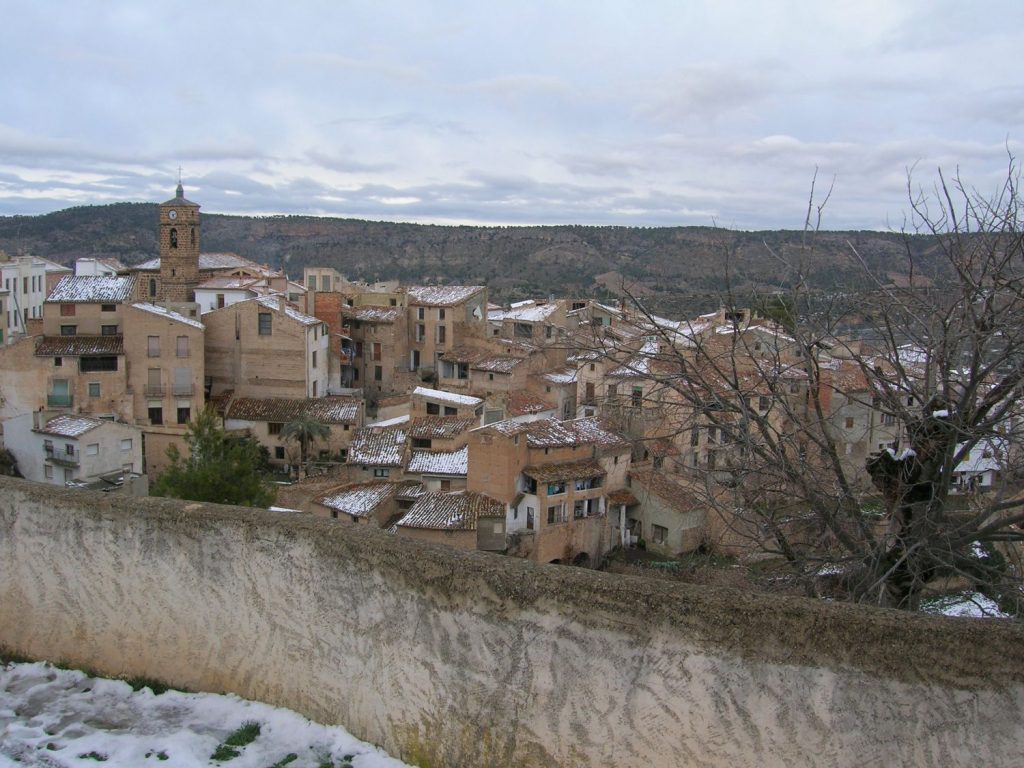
column 971, row 604
column 55, row 718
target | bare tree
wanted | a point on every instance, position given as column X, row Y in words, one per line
column 872, row 435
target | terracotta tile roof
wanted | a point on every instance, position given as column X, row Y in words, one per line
column 623, row 496
column 210, row 262
column 326, row 410
column 440, row 462
column 77, row 346
column 378, row 446
column 566, row 470
column 271, row 302
column 497, row 364
column 669, row 491
column 220, row 402
column 372, row 314
column 69, row 426
column 441, row 295
column 457, row 511
column 92, row 290
column 360, row 499
column 464, row 354
column 522, row 402
column 445, row 427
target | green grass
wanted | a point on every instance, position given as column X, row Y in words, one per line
column 288, row 759
column 242, row 736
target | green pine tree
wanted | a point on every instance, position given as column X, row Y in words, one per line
column 219, row 468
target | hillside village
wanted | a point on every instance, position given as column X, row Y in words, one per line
column 554, row 429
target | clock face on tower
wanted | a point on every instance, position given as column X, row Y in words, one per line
column 172, row 214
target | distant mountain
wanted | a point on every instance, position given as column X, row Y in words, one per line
column 674, row 268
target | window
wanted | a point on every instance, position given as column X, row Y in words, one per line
column 69, row 330
column 414, row 360
column 449, row 411
column 184, row 415
column 530, row 518
column 762, row 403
column 378, row 373
column 94, row 389
column 556, row 514
column 154, row 382
column 48, row 472
column 58, row 362
column 108, row 330
column 108, row 307
column 421, row 332
column 849, row 422
column 381, row 471
column 181, row 346
column 96, row 363
column 579, row 509
column 156, row 416
column 264, row 324
column 275, row 427
column 24, row 285
column 67, row 310
column 555, row 488
column 522, row 331
column 69, row 449
column 695, row 436
column 314, row 358
column 325, row 282
column 888, row 419
column 314, row 389
column 462, row 371
column 659, row 534
column 92, row 449
column 421, row 313
column 376, row 351
column 712, row 434
column 312, row 282
column 183, row 382
column 433, row 409
column 637, row 397
column 153, row 346
column 152, row 286
column 440, row 334
column 174, row 237
column 279, row 449
column 126, row 444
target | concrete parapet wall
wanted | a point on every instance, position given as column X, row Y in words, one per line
column 450, row 658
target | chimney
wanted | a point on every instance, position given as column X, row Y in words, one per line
column 280, row 302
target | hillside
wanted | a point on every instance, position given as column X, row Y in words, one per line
column 673, row 267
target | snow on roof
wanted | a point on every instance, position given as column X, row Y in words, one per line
column 229, row 283
column 77, row 346
column 446, row 397
column 441, row 295
column 390, row 422
column 212, row 261
column 370, row 313
column 440, row 462
column 440, row 426
column 669, row 491
column 561, row 376
column 525, row 312
column 271, row 302
column 108, row 289
column 326, row 410
column 69, row 426
column 359, row 499
column 552, row 433
column 456, row 511
column 153, row 309
column 377, row 447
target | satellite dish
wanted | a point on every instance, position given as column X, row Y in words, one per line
column 477, row 313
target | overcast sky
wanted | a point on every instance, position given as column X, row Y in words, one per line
column 589, row 112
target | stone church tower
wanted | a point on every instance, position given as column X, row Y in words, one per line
column 179, row 249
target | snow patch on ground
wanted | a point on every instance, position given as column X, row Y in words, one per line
column 971, row 604
column 57, row 718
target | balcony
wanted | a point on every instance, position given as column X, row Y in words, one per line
column 153, row 390
column 183, row 390
column 61, row 457
column 59, row 400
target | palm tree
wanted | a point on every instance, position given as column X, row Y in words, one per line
column 305, row 430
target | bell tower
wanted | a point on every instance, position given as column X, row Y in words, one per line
column 179, row 249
